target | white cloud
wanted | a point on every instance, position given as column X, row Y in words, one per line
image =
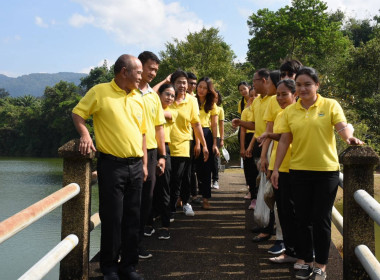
column 11, row 39
column 40, row 22
column 144, row 22
column 363, row 9
column 100, row 63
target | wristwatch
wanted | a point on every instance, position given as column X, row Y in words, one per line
column 163, row 156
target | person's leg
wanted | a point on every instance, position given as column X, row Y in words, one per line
column 164, row 200
column 131, row 218
column 301, row 184
column 204, row 168
column 215, row 166
column 324, row 192
column 178, row 166
column 285, row 207
column 147, row 191
column 111, row 193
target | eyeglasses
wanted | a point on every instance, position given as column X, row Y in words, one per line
column 192, row 83
column 169, row 94
column 287, row 73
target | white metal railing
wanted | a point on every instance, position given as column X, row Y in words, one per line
column 372, row 208
column 369, row 261
column 29, row 215
column 51, row 259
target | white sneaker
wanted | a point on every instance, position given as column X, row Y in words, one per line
column 188, row 210
column 215, row 185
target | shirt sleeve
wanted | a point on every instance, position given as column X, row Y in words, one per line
column 160, row 117
column 194, row 111
column 221, row 114
column 88, row 105
column 337, row 114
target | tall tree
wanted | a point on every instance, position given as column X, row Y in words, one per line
column 304, row 31
column 97, row 75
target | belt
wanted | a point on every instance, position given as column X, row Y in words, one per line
column 129, row 160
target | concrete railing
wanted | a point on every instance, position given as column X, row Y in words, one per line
column 76, row 213
column 359, row 163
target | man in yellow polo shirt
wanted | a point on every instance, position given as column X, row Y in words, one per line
column 119, row 124
column 155, row 138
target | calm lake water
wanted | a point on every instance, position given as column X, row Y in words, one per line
column 23, row 182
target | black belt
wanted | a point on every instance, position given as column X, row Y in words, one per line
column 129, row 160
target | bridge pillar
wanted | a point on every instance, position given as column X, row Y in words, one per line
column 76, row 212
column 358, row 228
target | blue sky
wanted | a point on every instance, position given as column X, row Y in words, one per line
column 50, row 36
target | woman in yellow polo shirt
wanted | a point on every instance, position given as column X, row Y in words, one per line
column 162, row 189
column 314, row 168
column 284, row 200
column 243, row 88
column 208, row 114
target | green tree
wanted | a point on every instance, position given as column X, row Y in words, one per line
column 206, row 54
column 96, row 76
column 303, row 31
column 3, row 93
column 359, row 31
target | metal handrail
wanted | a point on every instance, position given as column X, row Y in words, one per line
column 26, row 217
column 337, row 219
column 369, row 261
column 51, row 259
column 369, row 204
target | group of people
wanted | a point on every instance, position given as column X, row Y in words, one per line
column 151, row 143
column 159, row 149
column 287, row 134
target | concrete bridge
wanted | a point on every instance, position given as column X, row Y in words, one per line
column 216, row 243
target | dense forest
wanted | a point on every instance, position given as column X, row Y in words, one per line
column 345, row 51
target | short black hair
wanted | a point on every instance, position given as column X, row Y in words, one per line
column 275, row 77
column 163, row 87
column 244, row 83
column 263, row 73
column 178, row 73
column 191, row 75
column 146, row 55
column 311, row 72
column 291, row 65
column 289, row 83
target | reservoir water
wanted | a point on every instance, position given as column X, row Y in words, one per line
column 23, row 182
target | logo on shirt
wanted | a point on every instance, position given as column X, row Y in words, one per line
column 321, row 114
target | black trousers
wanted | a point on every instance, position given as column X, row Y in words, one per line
column 179, row 165
column 191, row 176
column 161, row 198
column 250, row 168
column 215, row 166
column 286, row 214
column 204, row 168
column 314, row 194
column 147, row 191
column 120, row 185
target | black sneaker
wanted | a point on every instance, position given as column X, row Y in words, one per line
column 164, row 234
column 144, row 254
column 148, row 231
column 305, row 272
column 318, row 274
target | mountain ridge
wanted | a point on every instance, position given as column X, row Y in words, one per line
column 35, row 83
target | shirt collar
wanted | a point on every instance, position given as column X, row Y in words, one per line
column 148, row 90
column 317, row 103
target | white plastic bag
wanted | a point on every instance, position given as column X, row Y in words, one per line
column 262, row 211
column 225, row 154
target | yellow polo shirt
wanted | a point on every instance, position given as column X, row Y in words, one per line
column 205, row 118
column 285, row 163
column 181, row 134
column 272, row 109
column 220, row 117
column 154, row 116
column 239, row 110
column 168, row 125
column 247, row 116
column 118, row 119
column 258, row 106
column 314, row 145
